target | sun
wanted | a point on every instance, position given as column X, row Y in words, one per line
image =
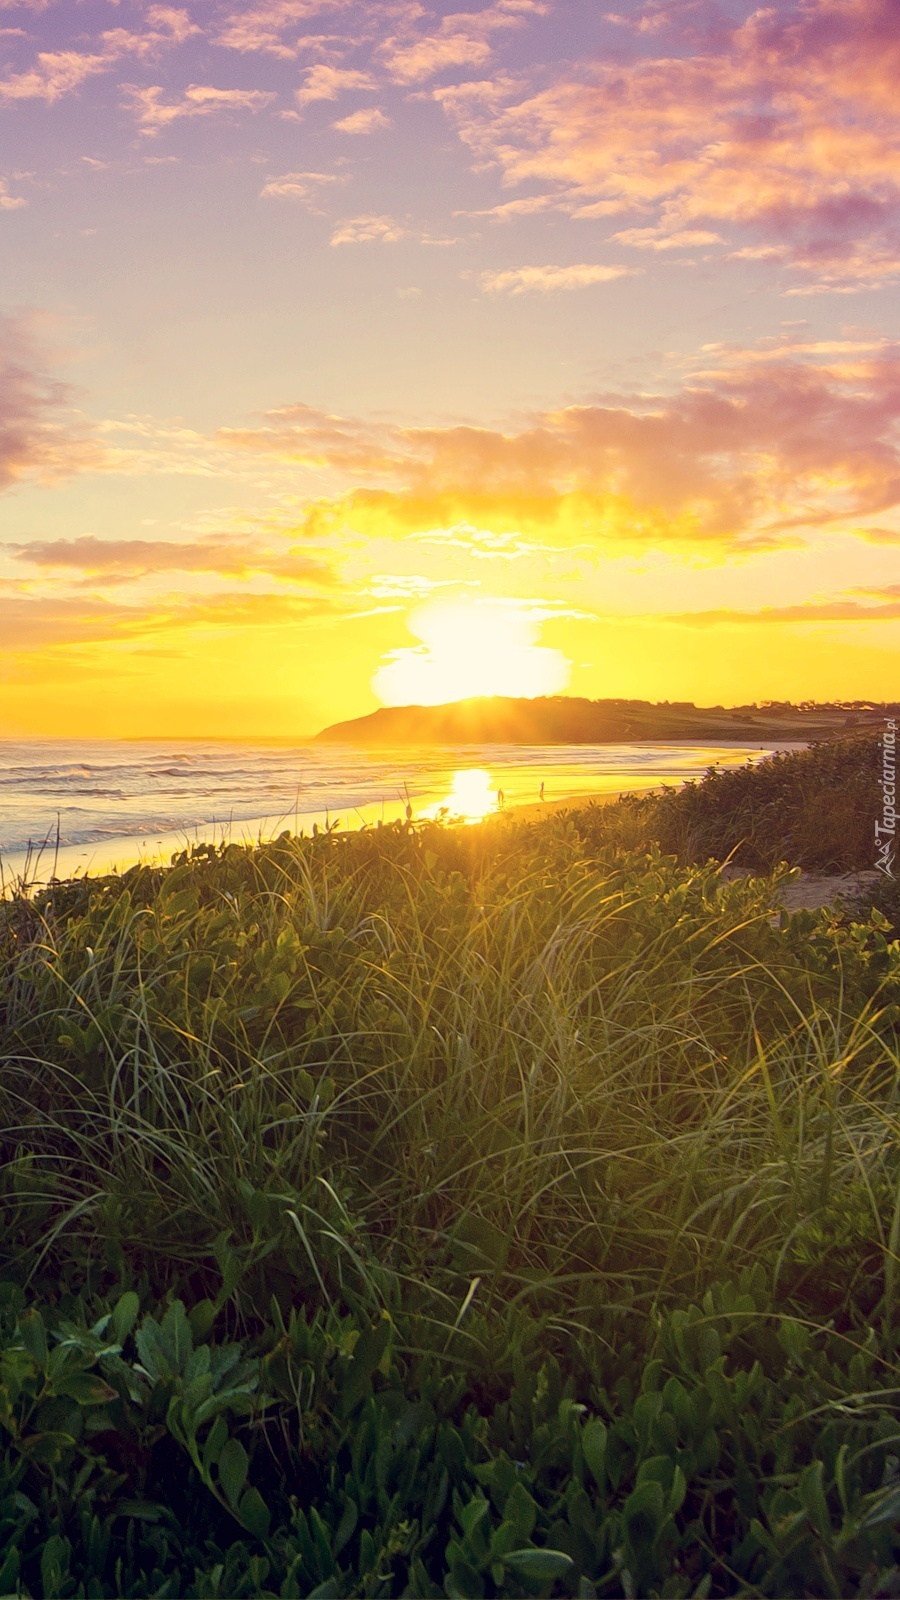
column 470, row 648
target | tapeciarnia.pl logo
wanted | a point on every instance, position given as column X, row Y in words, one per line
column 886, row 829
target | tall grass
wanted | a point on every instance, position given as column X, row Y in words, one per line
column 492, row 1052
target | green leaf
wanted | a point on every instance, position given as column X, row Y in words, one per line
column 9, row 1572
column 34, row 1336
column 794, row 1339
column 644, row 1512
column 255, row 1514
column 887, row 1509
column 233, row 1464
column 55, row 1564
column 347, row 1525
column 154, row 1358
column 370, row 1348
column 125, row 1315
column 593, row 1444
column 538, row 1564
column 201, row 1318
column 521, row 1511
column 48, row 1446
column 140, row 1510
column 175, row 1331
column 86, row 1389
column 215, row 1440
column 812, row 1498
column 180, row 904
column 472, row 1516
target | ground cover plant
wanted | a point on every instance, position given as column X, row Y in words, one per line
column 448, row 1211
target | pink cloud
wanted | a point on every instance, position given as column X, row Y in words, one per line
column 170, row 25
column 175, row 20
column 39, row 437
column 659, row 239
column 370, row 119
column 785, row 127
column 59, row 72
column 303, row 186
column 524, row 280
column 133, row 558
column 55, row 73
column 198, row 100
column 413, row 63
column 307, row 436
column 326, row 83
column 365, row 229
column 10, row 202
column 263, row 27
column 462, row 40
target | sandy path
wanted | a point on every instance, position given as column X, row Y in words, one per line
column 812, row 890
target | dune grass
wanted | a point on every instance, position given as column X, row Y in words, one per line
column 813, row 807
column 541, row 1197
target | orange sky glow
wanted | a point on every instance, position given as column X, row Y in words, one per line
column 358, row 353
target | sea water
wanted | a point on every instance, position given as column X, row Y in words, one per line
column 93, row 805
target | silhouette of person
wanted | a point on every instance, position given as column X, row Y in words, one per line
column 542, row 791
column 500, row 798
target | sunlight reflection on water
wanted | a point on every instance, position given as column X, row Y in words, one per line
column 473, row 795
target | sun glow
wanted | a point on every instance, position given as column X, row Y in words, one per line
column 472, row 795
column 469, row 649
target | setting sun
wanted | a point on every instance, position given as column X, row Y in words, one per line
column 467, row 649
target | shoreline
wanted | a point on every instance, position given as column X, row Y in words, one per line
column 113, row 857
column 464, row 791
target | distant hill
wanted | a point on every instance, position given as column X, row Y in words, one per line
column 565, row 719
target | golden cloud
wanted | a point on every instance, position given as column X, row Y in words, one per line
column 758, row 445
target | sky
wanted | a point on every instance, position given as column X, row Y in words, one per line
column 361, row 353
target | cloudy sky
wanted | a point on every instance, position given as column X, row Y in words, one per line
column 354, row 352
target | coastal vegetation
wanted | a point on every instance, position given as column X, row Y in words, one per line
column 814, row 808
column 453, row 1211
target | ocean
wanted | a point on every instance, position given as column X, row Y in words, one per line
column 77, row 806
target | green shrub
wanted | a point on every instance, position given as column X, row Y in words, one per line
column 814, row 808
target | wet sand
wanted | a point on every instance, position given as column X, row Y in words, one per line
column 534, row 810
